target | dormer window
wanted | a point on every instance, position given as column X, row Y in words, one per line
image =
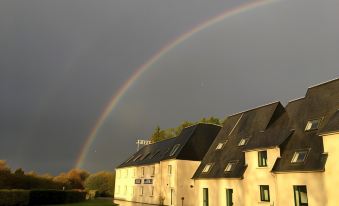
column 207, row 168
column 312, row 125
column 230, row 166
column 243, row 141
column 262, row 158
column 174, row 149
column 299, row 156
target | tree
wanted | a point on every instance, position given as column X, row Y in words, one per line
column 158, row 135
column 74, row 179
column 102, row 182
column 4, row 168
column 19, row 172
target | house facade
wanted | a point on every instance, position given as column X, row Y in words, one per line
column 271, row 155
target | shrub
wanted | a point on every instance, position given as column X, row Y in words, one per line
column 40, row 197
column 14, row 197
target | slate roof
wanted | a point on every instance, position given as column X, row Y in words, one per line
column 253, row 124
column 320, row 102
column 194, row 142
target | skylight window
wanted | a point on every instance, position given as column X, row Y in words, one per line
column 243, row 141
column 146, row 156
column 221, row 145
column 207, row 168
column 230, row 166
column 137, row 157
column 129, row 159
column 299, row 156
column 312, row 125
column 155, row 154
column 174, row 149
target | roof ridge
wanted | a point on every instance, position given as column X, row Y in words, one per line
column 248, row 110
column 323, row 83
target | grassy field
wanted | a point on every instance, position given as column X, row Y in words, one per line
column 97, row 202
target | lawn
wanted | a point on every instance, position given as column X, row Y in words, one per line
column 97, row 202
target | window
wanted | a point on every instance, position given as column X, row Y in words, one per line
column 174, row 149
column 142, row 171
column 153, row 171
column 145, row 156
column 155, row 154
column 300, row 195
column 169, row 169
column 264, row 193
column 230, row 166
column 152, row 191
column 312, row 125
column 207, row 168
column 299, row 156
column 137, row 157
column 262, row 158
column 142, row 190
column 221, row 145
column 205, row 196
column 125, row 190
column 229, row 197
column 129, row 159
column 243, row 142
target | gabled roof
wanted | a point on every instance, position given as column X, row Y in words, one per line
column 321, row 102
column 332, row 125
column 191, row 144
column 240, row 126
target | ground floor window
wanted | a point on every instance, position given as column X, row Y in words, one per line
column 300, row 195
column 229, row 197
column 141, row 190
column 264, row 193
column 205, row 196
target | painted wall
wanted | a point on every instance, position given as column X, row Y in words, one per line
column 255, row 176
column 217, row 191
column 126, row 188
column 316, row 192
column 331, row 146
column 166, row 185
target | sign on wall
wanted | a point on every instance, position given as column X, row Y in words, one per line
column 137, row 181
column 148, row 181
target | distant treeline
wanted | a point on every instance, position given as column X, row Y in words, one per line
column 162, row 134
column 103, row 182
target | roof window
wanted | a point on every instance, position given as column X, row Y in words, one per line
column 299, row 156
column 155, row 154
column 221, row 145
column 137, row 157
column 207, row 168
column 312, row 125
column 243, row 141
column 230, row 166
column 174, row 149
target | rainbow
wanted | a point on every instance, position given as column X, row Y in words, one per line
column 144, row 67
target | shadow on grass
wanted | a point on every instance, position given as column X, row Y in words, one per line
column 96, row 202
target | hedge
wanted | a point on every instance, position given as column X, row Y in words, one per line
column 14, row 197
column 39, row 197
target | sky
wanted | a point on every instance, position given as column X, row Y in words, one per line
column 62, row 61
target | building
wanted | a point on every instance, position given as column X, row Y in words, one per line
column 276, row 156
column 160, row 173
column 270, row 155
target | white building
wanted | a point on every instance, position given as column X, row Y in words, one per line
column 271, row 155
column 160, row 173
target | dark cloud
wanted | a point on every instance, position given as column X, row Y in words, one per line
column 61, row 61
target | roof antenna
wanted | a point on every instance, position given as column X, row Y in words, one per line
column 142, row 142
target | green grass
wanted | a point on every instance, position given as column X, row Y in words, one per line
column 97, row 202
